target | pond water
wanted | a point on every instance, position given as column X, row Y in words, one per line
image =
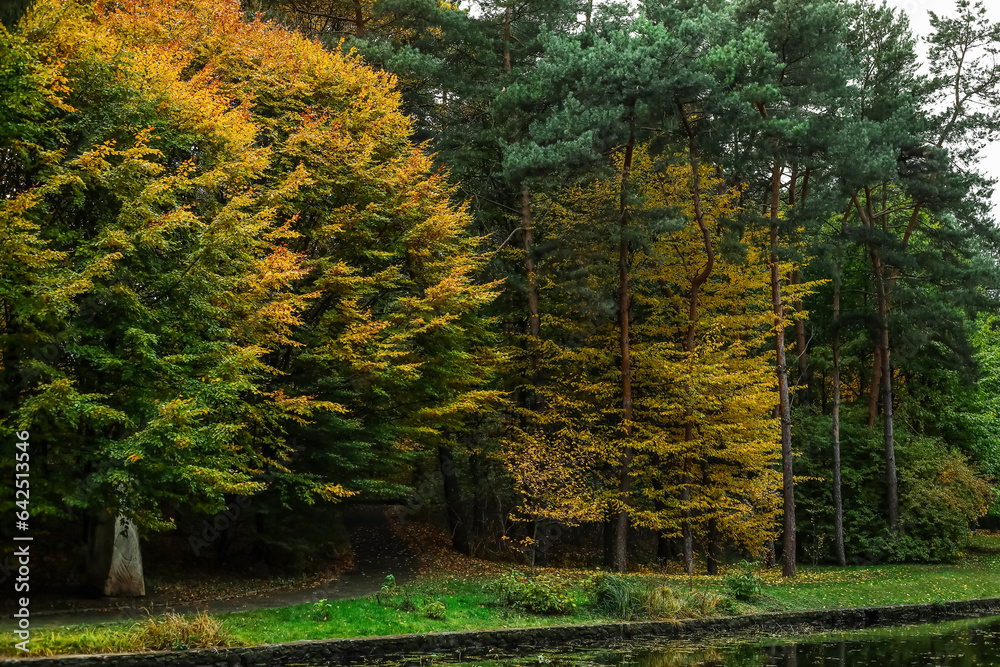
column 953, row 644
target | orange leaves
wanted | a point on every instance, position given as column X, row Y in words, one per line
column 251, row 209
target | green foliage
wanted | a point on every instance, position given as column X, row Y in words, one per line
column 388, row 588
column 166, row 237
column 664, row 602
column 228, row 268
column 628, row 598
column 743, row 583
column 616, row 595
column 321, row 610
column 544, row 594
column 941, row 493
column 435, row 609
column 396, row 597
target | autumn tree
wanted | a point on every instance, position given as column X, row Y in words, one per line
column 702, row 458
column 253, row 243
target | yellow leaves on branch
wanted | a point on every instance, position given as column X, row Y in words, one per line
column 275, row 178
column 550, row 474
column 722, row 388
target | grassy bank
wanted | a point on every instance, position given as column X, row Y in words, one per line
column 453, row 602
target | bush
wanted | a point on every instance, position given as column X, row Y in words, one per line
column 388, row 589
column 743, row 583
column 940, row 493
column 320, row 610
column 616, row 596
column 435, row 609
column 538, row 595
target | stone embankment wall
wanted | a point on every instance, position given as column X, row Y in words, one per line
column 486, row 642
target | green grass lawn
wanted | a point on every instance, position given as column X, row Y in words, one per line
column 462, row 603
column 466, row 607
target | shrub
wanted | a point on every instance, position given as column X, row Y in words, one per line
column 538, row 595
column 393, row 595
column 616, row 596
column 940, row 493
column 387, row 590
column 435, row 609
column 743, row 582
column 320, row 610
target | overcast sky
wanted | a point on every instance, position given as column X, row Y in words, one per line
column 917, row 10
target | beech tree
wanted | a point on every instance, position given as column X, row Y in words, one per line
column 252, row 241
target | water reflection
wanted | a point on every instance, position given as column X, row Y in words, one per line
column 961, row 644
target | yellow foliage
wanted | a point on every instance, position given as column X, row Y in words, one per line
column 722, row 391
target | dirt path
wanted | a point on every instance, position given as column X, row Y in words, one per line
column 377, row 552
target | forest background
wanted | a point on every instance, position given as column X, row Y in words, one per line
column 694, row 281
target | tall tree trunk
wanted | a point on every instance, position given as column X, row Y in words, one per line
column 624, row 304
column 359, row 20
column 892, row 490
column 838, row 503
column 784, row 410
column 506, row 39
column 534, row 319
column 802, row 381
column 876, row 383
column 882, row 299
column 453, row 502
column 690, row 340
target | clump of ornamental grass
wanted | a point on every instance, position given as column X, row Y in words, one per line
column 667, row 603
column 173, row 631
column 168, row 632
column 616, row 596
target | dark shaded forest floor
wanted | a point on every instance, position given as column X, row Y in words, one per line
column 377, row 552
